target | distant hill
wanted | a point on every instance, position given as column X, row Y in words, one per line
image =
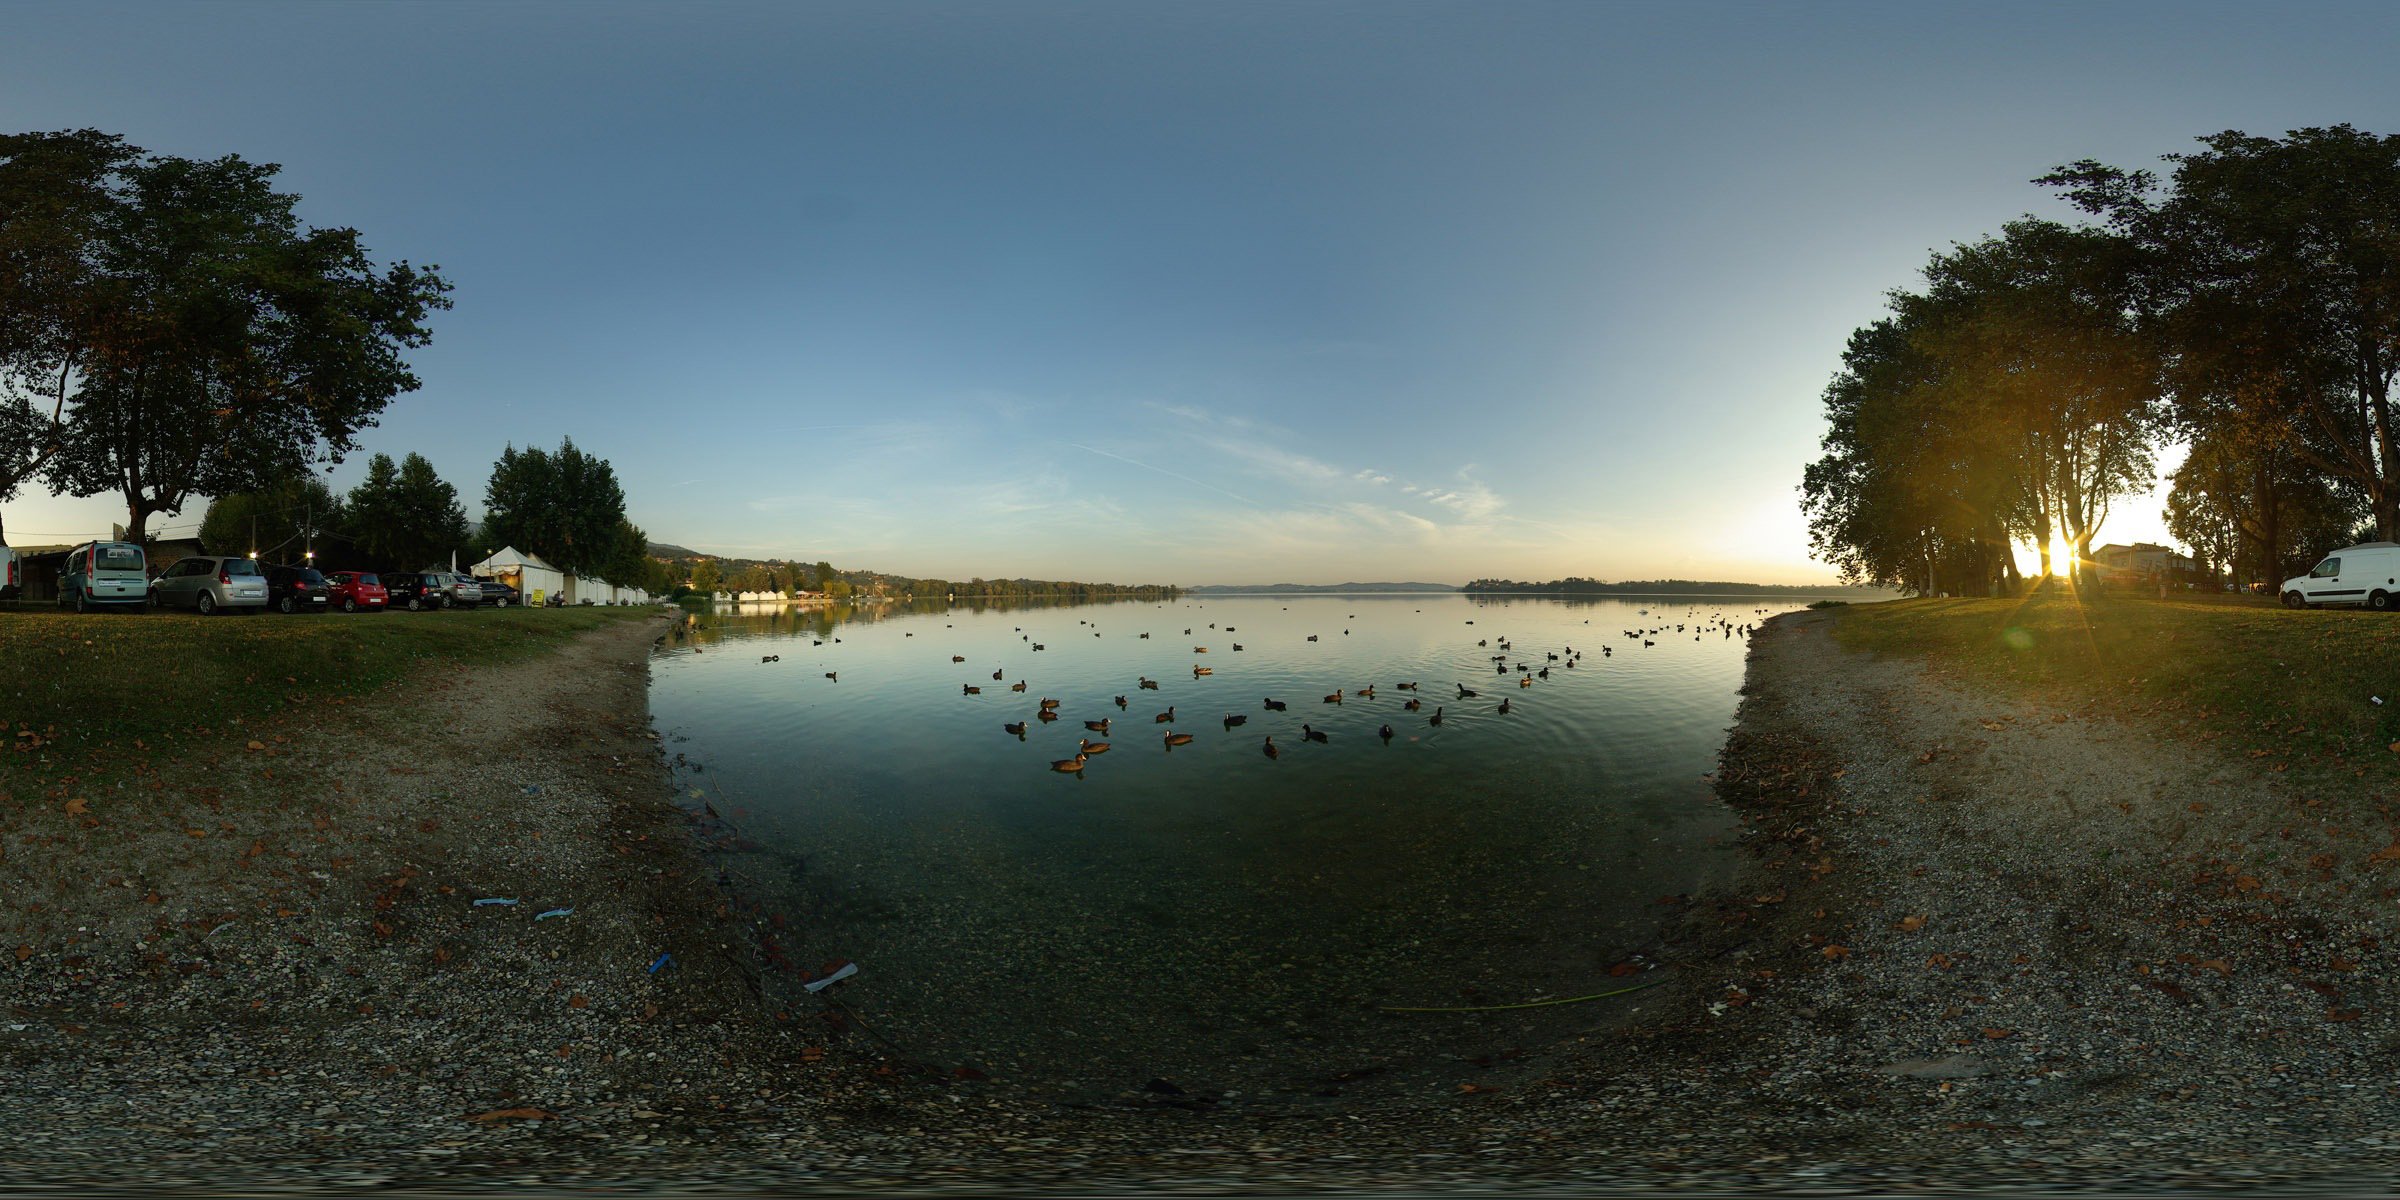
column 1252, row 589
column 671, row 550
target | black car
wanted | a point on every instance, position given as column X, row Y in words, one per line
column 297, row 589
column 414, row 592
column 500, row 595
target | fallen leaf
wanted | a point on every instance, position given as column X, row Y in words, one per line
column 255, row 745
column 1909, row 924
column 2342, row 1014
column 577, row 1001
column 76, row 807
column 1997, row 1034
column 1837, row 952
column 24, row 952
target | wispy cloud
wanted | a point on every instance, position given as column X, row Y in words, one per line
column 1169, row 474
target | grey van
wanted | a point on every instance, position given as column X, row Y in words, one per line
column 211, row 584
column 104, row 573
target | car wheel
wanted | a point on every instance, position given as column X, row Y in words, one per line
column 208, row 604
column 445, row 603
column 350, row 604
column 2380, row 601
column 81, row 604
column 412, row 604
column 2294, row 600
column 288, row 605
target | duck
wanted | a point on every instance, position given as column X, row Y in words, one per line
column 1018, row 686
column 1233, row 719
column 1148, row 684
column 1385, row 733
column 1311, row 734
column 1047, row 715
column 958, row 658
column 1274, row 705
column 972, row 690
column 1335, row 698
column 1089, row 746
column 1504, row 708
column 1175, row 739
column 1367, row 692
column 997, row 676
column 1071, row 766
column 1312, row 637
column 1048, row 703
column 1099, row 726
column 1524, row 681
column 768, row 658
column 1197, row 672
column 1269, row 748
column 1164, row 718
column 1467, row 693
column 1015, row 727
column 1436, row 718
column 1199, row 649
column 1237, row 647
column 1406, row 687
column 1413, row 704
column 1145, row 637
column 1120, row 702
column 835, row 676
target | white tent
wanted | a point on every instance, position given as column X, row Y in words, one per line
column 534, row 579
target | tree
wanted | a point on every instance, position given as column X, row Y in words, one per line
column 208, row 343
column 706, row 579
column 2276, row 291
column 53, row 202
column 404, row 517
column 565, row 506
column 2038, row 327
column 282, row 523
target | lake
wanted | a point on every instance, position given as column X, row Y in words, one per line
column 1203, row 913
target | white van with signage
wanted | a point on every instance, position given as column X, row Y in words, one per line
column 2366, row 574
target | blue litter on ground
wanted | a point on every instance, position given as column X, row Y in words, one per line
column 492, row 900
column 663, row 960
column 556, row 912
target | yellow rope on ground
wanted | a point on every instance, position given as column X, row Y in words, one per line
column 1530, row 1003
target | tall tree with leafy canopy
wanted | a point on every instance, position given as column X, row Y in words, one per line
column 209, row 342
column 432, row 525
column 2276, row 271
column 54, row 202
column 563, row 505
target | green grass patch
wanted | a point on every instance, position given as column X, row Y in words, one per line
column 92, row 697
column 2292, row 684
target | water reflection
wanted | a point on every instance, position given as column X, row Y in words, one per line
column 1203, row 911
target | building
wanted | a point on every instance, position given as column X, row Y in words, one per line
column 2140, row 563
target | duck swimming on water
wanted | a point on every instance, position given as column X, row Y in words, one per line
column 1071, row 766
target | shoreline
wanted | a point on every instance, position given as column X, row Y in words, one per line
column 1955, row 954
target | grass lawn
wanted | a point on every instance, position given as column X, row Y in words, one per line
column 2289, row 685
column 89, row 698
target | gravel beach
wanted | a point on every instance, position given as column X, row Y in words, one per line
column 1975, row 943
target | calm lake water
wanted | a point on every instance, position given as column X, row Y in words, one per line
column 1204, row 913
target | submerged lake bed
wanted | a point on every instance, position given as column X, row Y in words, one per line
column 1200, row 913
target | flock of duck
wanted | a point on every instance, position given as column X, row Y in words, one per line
column 1525, row 668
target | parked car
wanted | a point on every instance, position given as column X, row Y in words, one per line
column 465, row 591
column 354, row 590
column 103, row 573
column 297, row 589
column 412, row 591
column 2368, row 574
column 498, row 594
column 211, row 584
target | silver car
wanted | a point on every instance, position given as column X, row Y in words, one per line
column 212, row 584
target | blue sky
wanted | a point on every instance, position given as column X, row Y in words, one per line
column 1186, row 293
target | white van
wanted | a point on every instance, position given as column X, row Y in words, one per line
column 2367, row 573
column 100, row 573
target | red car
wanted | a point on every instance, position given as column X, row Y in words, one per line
column 354, row 590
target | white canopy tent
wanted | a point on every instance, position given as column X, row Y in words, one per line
column 534, row 579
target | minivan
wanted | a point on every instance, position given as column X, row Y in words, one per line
column 213, row 584
column 2367, row 573
column 101, row 573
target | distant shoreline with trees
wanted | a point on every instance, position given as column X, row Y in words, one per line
column 1660, row 587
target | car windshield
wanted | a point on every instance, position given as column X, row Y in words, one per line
column 365, row 580
column 310, row 576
